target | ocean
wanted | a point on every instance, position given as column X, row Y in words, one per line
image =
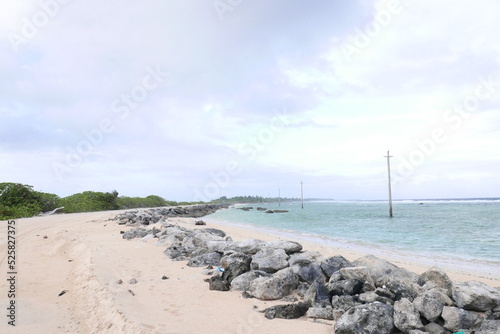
column 434, row 232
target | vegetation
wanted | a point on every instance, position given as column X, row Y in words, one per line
column 20, row 200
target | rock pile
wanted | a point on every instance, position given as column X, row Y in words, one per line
column 369, row 295
column 154, row 215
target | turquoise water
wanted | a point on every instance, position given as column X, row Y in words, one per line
column 459, row 229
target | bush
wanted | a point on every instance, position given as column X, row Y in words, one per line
column 88, row 201
column 20, row 200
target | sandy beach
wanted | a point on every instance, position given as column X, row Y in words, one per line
column 86, row 256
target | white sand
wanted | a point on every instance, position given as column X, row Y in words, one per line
column 86, row 255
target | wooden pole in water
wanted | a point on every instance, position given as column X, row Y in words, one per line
column 279, row 197
column 388, row 156
column 302, row 193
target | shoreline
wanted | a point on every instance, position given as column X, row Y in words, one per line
column 489, row 271
column 86, row 255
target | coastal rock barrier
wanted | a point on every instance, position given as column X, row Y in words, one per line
column 368, row 295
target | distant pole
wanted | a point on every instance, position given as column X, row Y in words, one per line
column 302, row 193
column 388, row 156
column 279, row 197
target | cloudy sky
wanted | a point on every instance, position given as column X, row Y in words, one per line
column 196, row 99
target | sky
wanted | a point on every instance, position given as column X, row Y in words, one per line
column 197, row 99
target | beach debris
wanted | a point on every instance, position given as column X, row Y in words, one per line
column 200, row 222
column 131, row 292
column 119, row 281
column 132, row 281
column 164, row 277
column 62, row 293
column 45, row 237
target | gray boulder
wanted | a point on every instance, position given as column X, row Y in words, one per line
column 270, row 260
column 139, row 232
column 371, row 297
column 345, row 287
column 308, row 271
column 218, row 283
column 212, row 259
column 406, row 316
column 234, row 265
column 434, row 328
column 274, row 287
column 456, row 319
column 320, row 311
column 215, row 231
column 475, row 296
column 288, row 246
column 489, row 327
column 311, row 256
column 359, row 273
column 430, row 304
column 249, row 246
column 317, row 294
column 334, row 264
column 375, row 318
column 377, row 267
column 290, row 311
column 342, row 304
column 438, row 277
column 243, row 281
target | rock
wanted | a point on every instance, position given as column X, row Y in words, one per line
column 371, row 297
column 290, row 311
column 437, row 276
column 211, row 258
column 249, row 246
column 234, row 265
column 406, row 316
column 456, row 319
column 215, row 231
column 359, row 273
column 308, row 271
column 434, row 328
column 200, row 222
column 270, row 260
column 430, row 304
column 288, row 246
column 377, row 267
column 218, row 283
column 374, row 318
column 475, row 296
column 242, row 282
column 334, row 264
column 493, row 314
column 221, row 246
column 416, row 331
column 317, row 294
column 311, row 256
column 139, row 232
column 276, row 286
column 177, row 252
column 489, row 327
column 342, row 304
column 345, row 287
column 321, row 312
column 400, row 287
column 132, row 281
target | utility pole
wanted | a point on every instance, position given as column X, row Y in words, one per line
column 302, row 193
column 388, row 156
